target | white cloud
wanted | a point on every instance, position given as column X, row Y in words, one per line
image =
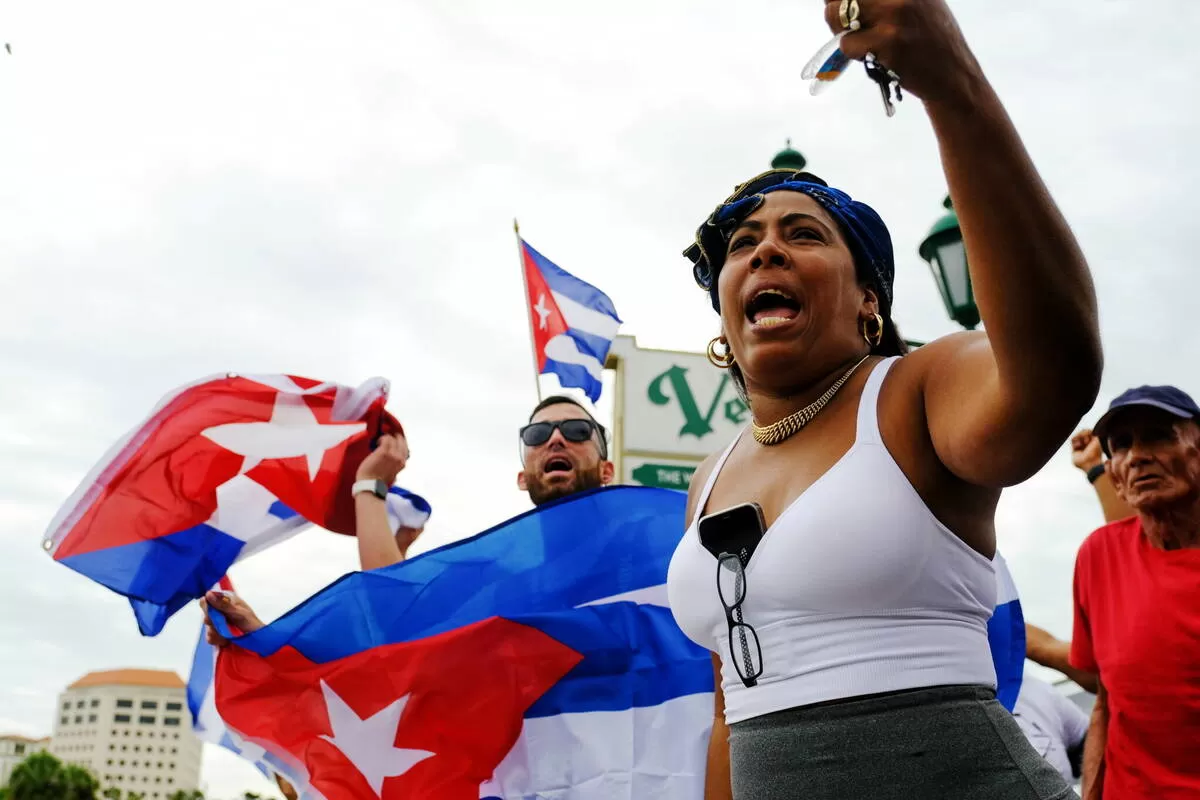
column 327, row 189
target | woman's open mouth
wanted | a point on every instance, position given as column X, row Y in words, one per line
column 771, row 308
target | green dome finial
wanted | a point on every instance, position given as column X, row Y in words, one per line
column 787, row 158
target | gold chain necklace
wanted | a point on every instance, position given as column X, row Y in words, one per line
column 777, row 432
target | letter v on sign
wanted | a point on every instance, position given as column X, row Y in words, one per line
column 695, row 422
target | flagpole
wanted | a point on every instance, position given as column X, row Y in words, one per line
column 528, row 310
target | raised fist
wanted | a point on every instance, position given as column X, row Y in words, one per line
column 1085, row 450
column 385, row 461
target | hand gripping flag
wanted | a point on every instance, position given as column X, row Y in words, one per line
column 573, row 323
column 537, row 659
column 222, row 468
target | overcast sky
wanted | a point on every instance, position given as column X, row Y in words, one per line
column 328, row 188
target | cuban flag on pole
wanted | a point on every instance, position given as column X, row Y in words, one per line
column 527, row 661
column 573, row 323
column 222, row 468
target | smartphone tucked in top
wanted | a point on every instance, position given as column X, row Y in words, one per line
column 733, row 530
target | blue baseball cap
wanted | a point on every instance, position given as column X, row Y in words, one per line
column 1165, row 398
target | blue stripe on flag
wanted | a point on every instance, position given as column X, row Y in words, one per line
column 661, row 664
column 536, row 569
column 161, row 576
column 574, row 376
column 1006, row 638
column 563, row 282
column 200, row 679
column 278, row 509
column 1006, row 635
column 595, row 346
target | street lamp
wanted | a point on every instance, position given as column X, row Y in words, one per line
column 943, row 248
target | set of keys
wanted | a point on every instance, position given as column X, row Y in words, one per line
column 887, row 80
column 830, row 62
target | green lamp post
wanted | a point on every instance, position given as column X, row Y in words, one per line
column 943, row 248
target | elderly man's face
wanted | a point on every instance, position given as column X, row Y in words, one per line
column 1155, row 461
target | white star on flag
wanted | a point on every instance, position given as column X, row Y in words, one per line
column 542, row 312
column 368, row 743
column 292, row 431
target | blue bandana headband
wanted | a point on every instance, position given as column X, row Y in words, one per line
column 865, row 234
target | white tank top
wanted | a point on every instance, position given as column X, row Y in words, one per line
column 855, row 589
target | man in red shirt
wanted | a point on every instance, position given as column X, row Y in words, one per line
column 1137, row 604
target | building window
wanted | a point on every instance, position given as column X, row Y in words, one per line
column 170, row 720
column 79, row 704
column 91, row 717
column 67, row 706
column 18, row 749
column 174, row 706
column 120, row 718
column 149, row 704
column 64, row 720
column 124, row 704
column 95, row 703
column 78, row 719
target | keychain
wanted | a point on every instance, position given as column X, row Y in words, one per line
column 830, row 63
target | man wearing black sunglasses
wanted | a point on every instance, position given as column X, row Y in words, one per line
column 563, row 451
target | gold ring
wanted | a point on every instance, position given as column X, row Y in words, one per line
column 848, row 15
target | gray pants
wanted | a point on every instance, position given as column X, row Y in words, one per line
column 940, row 743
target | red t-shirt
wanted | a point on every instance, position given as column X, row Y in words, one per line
column 1137, row 623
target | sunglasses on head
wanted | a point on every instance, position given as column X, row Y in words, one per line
column 536, row 434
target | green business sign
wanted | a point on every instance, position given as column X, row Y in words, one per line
column 696, row 421
column 664, row 476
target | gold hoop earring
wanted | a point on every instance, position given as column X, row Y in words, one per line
column 723, row 361
column 873, row 336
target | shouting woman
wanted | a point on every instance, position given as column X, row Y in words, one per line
column 849, row 621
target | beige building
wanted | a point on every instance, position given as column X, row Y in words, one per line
column 14, row 749
column 132, row 729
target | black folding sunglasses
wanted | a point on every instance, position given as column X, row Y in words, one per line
column 536, row 434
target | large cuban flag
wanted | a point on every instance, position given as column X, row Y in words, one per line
column 221, row 469
column 537, row 659
column 573, row 323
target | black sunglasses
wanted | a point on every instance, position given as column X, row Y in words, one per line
column 536, row 434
